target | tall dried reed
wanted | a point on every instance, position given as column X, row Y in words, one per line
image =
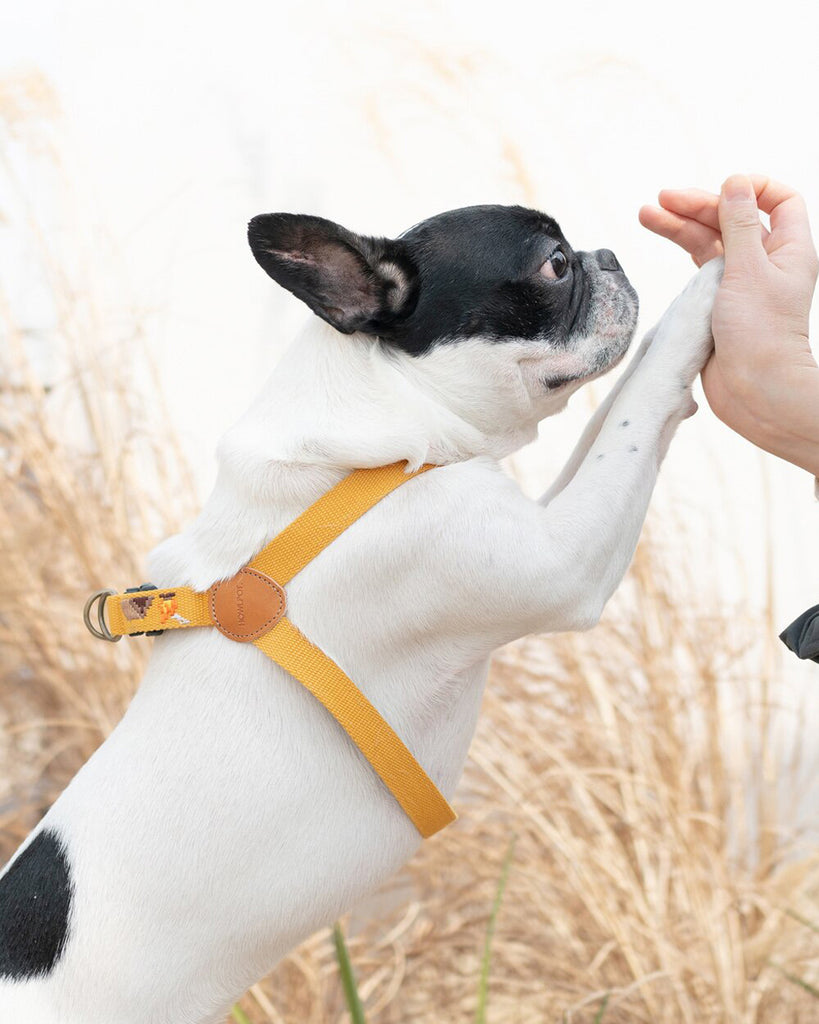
column 656, row 876
column 86, row 470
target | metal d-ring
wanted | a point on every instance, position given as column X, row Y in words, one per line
column 103, row 633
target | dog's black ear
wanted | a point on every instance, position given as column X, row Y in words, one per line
column 353, row 282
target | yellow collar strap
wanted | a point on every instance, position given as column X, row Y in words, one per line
column 250, row 607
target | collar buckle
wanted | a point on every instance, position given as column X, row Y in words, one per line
column 99, row 597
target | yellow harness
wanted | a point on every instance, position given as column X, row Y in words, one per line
column 250, row 607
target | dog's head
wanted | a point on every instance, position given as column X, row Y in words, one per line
column 499, row 282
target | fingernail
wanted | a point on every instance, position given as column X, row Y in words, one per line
column 738, row 189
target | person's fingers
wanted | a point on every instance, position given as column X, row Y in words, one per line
column 693, row 203
column 788, row 213
column 697, row 205
column 739, row 224
column 701, row 242
column 784, row 204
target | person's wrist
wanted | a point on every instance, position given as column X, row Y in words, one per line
column 803, row 454
column 788, row 418
column 800, row 451
column 774, row 406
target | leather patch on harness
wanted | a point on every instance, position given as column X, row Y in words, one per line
column 247, row 605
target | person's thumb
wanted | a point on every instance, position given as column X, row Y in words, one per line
column 739, row 223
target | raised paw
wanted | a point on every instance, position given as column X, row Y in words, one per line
column 682, row 341
column 703, row 285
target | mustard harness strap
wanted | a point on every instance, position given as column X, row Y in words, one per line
column 250, row 607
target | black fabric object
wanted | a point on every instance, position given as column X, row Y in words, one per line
column 802, row 636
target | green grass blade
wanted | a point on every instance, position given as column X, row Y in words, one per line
column 239, row 1015
column 347, row 977
column 802, row 920
column 804, row 985
column 483, row 984
column 599, row 1015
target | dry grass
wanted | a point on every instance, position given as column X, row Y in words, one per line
column 653, row 878
column 83, row 468
column 656, row 876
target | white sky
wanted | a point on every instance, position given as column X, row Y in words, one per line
column 182, row 120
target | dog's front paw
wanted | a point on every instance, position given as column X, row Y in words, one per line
column 682, row 340
column 697, row 298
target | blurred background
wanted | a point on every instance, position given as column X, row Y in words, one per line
column 658, row 772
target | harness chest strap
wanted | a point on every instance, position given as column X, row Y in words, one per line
column 250, row 607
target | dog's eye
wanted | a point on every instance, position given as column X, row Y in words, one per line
column 556, row 265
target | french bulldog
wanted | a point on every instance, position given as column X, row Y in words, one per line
column 228, row 816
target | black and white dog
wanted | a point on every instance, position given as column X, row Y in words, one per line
column 227, row 816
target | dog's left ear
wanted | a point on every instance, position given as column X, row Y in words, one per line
column 354, row 282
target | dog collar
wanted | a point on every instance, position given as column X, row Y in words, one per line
column 250, row 608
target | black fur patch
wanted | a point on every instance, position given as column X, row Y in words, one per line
column 35, row 902
column 477, row 272
column 478, row 276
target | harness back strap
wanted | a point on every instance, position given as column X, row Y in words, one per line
column 152, row 609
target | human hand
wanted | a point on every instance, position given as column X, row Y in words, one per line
column 762, row 379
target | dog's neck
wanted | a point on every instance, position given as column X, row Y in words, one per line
column 335, row 403
column 352, row 401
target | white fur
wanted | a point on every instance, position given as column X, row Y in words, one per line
column 227, row 816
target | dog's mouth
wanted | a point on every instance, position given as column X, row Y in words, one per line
column 579, row 299
column 602, row 299
column 603, row 337
column 555, row 383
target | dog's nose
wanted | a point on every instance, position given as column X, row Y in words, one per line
column 607, row 260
